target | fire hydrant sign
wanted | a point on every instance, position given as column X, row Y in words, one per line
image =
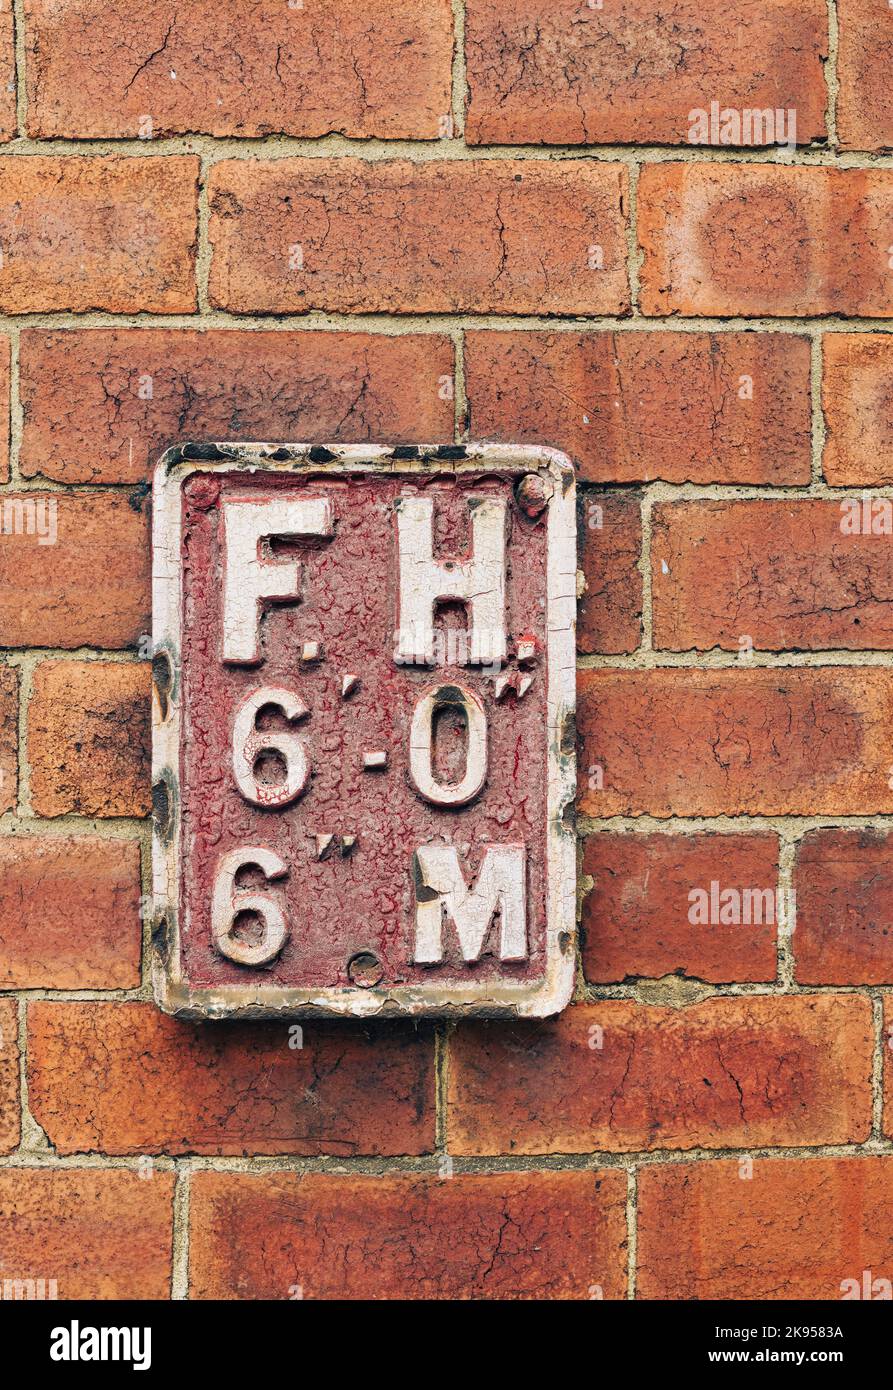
column 363, row 732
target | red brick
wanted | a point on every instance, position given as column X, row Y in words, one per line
column 636, row 916
column 765, row 239
column 9, row 737
column 728, row 1072
column 101, row 405
column 779, row 573
column 864, row 59
column 88, row 738
column 741, row 741
column 248, row 69
column 7, row 73
column 4, row 407
column 844, row 888
column 609, row 613
column 545, row 71
column 74, row 571
column 10, row 1124
column 501, row 236
column 100, row 1233
column 798, row 1228
column 471, row 1236
column 127, row 1079
column 631, row 407
column 857, row 400
column 98, row 233
column 69, row 912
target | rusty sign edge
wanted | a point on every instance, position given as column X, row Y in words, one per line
column 172, row 992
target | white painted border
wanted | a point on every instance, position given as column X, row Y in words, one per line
column 489, row 999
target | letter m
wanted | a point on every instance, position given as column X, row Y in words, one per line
column 442, row 892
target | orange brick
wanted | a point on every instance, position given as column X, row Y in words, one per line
column 796, row 1228
column 101, row 405
column 501, row 236
column 99, row 1233
column 765, row 239
column 857, row 400
column 637, row 916
column 478, row 1236
column 88, row 738
column 743, row 741
column 864, row 58
column 98, row 233
column 620, row 1076
column 633, row 407
column 4, row 407
column 9, row 737
column 782, row 574
column 844, row 889
column 74, row 571
column 545, row 71
column 609, row 613
column 7, row 74
column 127, row 1079
column 69, row 913
column 10, row 1123
column 257, row 69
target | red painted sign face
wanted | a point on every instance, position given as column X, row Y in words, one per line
column 363, row 754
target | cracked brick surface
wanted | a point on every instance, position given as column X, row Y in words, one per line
column 636, row 916
column 619, row 1076
column 243, row 69
column 101, row 1234
column 545, row 71
column 783, row 574
column 609, row 612
column 723, row 239
column 10, row 1122
column 7, row 74
column 98, row 233
column 865, row 53
column 857, row 404
column 9, row 726
column 127, row 1079
column 101, row 405
column 844, row 892
column 795, row 1229
column 5, row 354
column 488, row 236
column 635, row 407
column 69, row 912
column 739, row 741
column 481, row 1236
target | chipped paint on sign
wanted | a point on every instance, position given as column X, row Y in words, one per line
column 364, row 682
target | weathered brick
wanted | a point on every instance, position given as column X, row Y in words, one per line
column 864, row 58
column 99, row 1233
column 480, row 1236
column 786, row 1228
column 631, row 407
column 127, row 1079
column 609, row 613
column 765, row 239
column 545, row 71
column 637, row 916
column 98, row 233
column 69, row 912
column 784, row 575
column 101, row 405
column 857, row 401
column 844, row 886
column 74, row 571
column 4, row 407
column 621, row 1076
column 254, row 69
column 741, row 741
column 10, row 1124
column 501, row 236
column 9, row 737
column 7, row 73
column 88, row 738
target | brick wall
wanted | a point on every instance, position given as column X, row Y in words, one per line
column 482, row 219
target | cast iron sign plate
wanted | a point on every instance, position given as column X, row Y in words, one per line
column 363, row 760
